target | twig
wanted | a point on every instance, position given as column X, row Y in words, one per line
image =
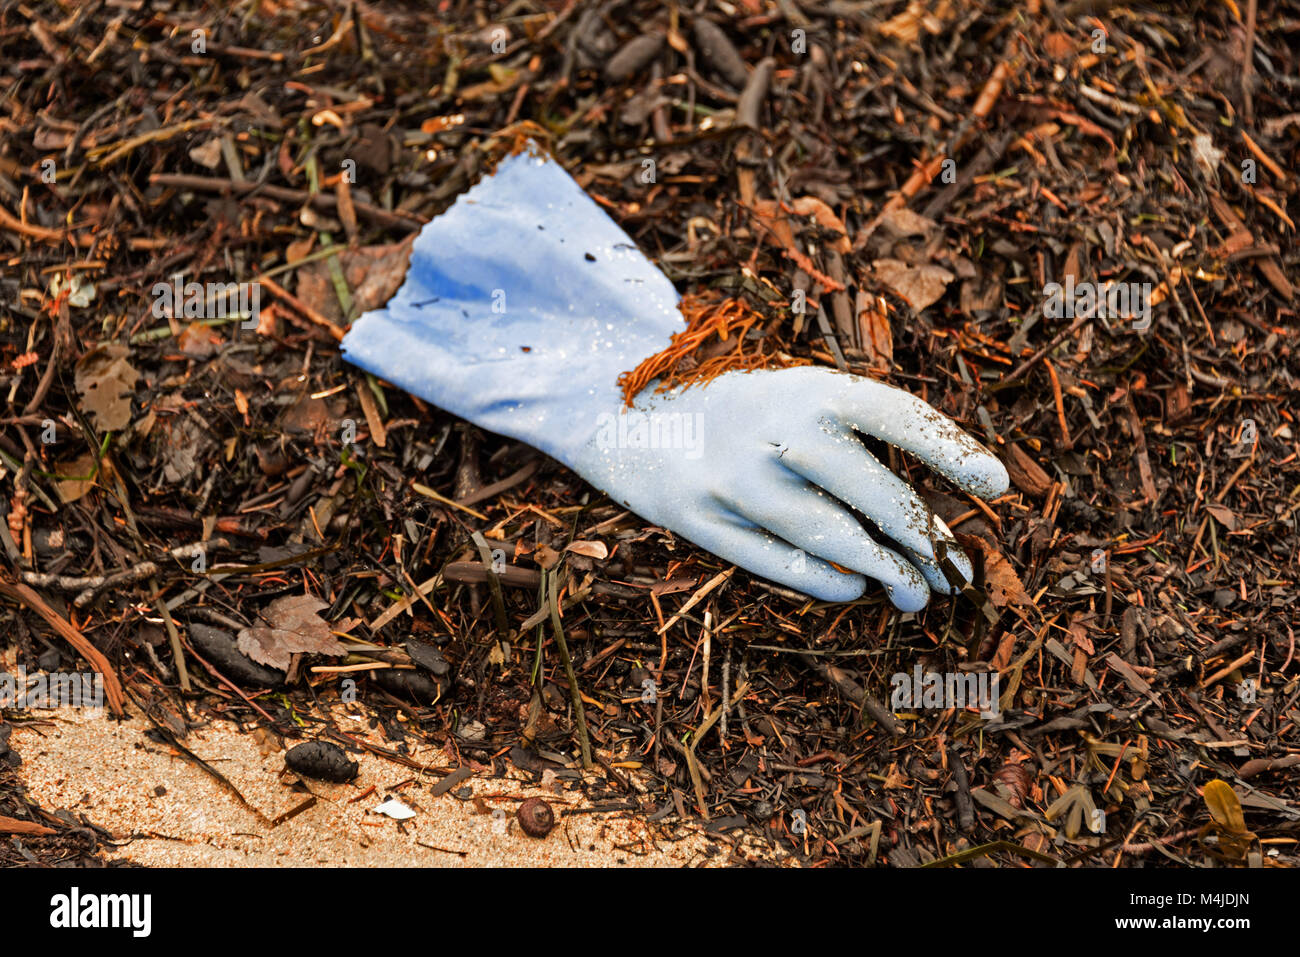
column 214, row 184
column 11, row 825
column 112, row 687
column 401, row 606
column 579, row 714
column 1066, row 442
column 1248, row 65
column 1227, row 669
column 496, row 488
column 1028, row 364
column 231, row 685
column 1159, row 842
column 90, row 586
column 437, row 497
column 754, row 94
column 174, row 636
column 494, row 586
column 965, row 807
column 36, row 232
column 853, row 691
column 695, row 599
column 692, row 764
column 301, row 307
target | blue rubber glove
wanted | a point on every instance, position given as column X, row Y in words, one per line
column 524, row 303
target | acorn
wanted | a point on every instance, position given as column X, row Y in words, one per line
column 536, row 817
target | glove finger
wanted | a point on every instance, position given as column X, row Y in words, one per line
column 843, row 466
column 910, row 424
column 811, row 520
column 742, row 543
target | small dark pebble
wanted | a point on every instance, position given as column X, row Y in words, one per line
column 49, row 660
column 49, row 542
column 220, row 648
column 322, row 759
column 411, row 684
column 427, row 657
column 536, row 817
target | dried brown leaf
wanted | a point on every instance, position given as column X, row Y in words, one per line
column 293, row 626
column 1224, row 516
column 199, row 340
column 373, row 273
column 901, row 221
column 106, row 381
column 1000, row 579
column 596, row 550
column 76, row 477
column 921, row 286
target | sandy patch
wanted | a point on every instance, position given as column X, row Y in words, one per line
column 166, row 811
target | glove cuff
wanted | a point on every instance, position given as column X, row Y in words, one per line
column 523, row 304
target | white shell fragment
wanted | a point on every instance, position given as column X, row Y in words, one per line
column 396, row 810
